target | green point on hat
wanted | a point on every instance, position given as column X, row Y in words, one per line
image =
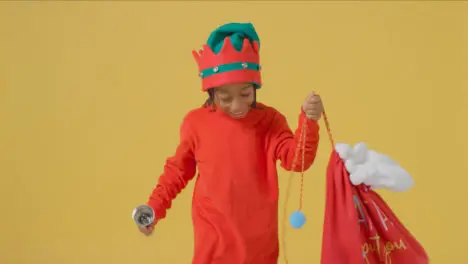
column 236, row 32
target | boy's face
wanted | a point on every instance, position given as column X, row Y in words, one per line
column 235, row 99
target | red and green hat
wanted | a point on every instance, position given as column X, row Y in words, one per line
column 231, row 55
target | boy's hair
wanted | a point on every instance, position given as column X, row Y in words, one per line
column 210, row 101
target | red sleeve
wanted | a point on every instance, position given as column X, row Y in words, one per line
column 178, row 171
column 285, row 142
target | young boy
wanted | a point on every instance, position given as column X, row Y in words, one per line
column 234, row 142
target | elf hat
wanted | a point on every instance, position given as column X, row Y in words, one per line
column 230, row 55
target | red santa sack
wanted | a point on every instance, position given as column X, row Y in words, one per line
column 360, row 228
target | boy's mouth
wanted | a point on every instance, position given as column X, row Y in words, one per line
column 238, row 115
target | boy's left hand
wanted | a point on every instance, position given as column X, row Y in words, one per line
column 313, row 107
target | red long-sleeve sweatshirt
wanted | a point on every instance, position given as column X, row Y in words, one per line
column 235, row 200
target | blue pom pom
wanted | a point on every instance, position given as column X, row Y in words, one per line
column 297, row 219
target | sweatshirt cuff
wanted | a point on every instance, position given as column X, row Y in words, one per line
column 158, row 212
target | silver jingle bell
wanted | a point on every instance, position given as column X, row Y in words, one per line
column 143, row 215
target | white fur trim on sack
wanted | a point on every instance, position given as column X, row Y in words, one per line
column 374, row 169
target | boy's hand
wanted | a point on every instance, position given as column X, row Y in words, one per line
column 313, row 107
column 146, row 230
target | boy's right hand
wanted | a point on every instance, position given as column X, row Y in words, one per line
column 146, row 230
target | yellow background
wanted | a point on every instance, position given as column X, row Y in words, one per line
column 92, row 95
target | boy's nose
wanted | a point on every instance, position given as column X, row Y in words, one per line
column 237, row 107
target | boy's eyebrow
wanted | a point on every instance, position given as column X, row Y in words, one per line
column 221, row 92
